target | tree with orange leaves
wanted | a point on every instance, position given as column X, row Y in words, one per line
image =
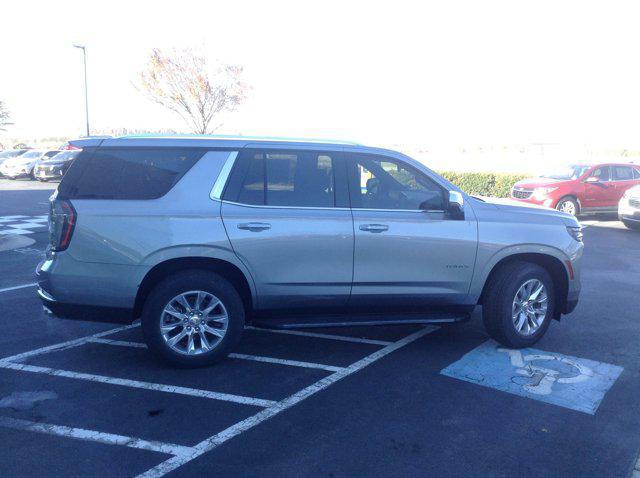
column 184, row 82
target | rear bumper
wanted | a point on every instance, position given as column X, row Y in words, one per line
column 83, row 312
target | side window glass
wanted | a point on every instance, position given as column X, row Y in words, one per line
column 622, row 173
column 636, row 173
column 283, row 178
column 383, row 183
column 601, row 173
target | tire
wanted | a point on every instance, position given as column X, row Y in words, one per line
column 498, row 303
column 569, row 205
column 211, row 284
column 631, row 225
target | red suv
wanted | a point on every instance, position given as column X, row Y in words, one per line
column 579, row 188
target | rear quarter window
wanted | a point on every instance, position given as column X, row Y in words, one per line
column 126, row 173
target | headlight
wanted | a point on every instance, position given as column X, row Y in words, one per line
column 541, row 193
column 575, row 232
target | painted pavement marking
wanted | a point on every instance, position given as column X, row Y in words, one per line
column 570, row 382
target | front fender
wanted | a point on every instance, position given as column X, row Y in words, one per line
column 488, row 261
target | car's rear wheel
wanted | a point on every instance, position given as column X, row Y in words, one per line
column 193, row 318
column 518, row 304
column 569, row 205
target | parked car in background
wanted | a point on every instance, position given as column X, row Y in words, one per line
column 580, row 188
column 200, row 235
column 10, row 153
column 629, row 208
column 55, row 167
column 22, row 165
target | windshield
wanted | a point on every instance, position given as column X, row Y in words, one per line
column 31, row 154
column 11, row 154
column 64, row 155
column 567, row 172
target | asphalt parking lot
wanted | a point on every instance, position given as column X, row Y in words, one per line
column 85, row 399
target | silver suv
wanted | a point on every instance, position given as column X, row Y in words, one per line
column 199, row 236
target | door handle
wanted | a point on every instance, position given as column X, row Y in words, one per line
column 254, row 226
column 374, row 227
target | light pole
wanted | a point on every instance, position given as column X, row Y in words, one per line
column 86, row 94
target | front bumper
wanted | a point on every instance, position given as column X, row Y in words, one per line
column 546, row 202
column 49, row 172
column 628, row 212
column 15, row 173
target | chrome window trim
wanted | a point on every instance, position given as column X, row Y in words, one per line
column 259, row 206
column 262, row 206
column 223, row 177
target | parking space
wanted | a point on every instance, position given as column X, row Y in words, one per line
column 240, row 393
column 87, row 399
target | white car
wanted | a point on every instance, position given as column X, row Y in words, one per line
column 629, row 208
column 23, row 165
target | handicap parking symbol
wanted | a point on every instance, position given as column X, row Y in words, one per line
column 571, row 382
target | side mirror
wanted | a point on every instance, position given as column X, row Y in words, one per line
column 592, row 180
column 456, row 205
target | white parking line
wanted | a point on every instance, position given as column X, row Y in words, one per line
column 255, row 358
column 292, row 363
column 16, row 287
column 95, row 436
column 234, row 430
column 343, row 338
column 194, row 392
column 65, row 345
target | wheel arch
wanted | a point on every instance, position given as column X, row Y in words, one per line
column 550, row 263
column 226, row 269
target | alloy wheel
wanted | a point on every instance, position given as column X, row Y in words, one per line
column 568, row 207
column 194, row 322
column 529, row 309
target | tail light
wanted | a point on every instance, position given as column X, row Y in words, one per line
column 62, row 220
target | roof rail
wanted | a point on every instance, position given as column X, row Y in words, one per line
column 238, row 138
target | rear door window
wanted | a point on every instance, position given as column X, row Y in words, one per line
column 126, row 173
column 622, row 173
column 283, row 178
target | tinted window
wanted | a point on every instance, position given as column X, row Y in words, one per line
column 383, row 183
column 622, row 173
column 126, row 173
column 601, row 173
column 282, row 178
column 636, row 173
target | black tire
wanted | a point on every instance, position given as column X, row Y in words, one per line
column 498, row 303
column 568, row 200
column 189, row 281
column 631, row 225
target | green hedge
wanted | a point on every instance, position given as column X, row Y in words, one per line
column 484, row 184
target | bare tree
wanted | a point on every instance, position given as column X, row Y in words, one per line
column 5, row 117
column 185, row 83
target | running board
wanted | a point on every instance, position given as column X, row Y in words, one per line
column 358, row 320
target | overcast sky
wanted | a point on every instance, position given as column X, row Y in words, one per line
column 447, row 72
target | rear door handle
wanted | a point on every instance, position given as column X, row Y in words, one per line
column 374, row 227
column 254, row 226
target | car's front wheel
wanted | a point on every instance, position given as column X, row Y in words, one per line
column 518, row 304
column 569, row 205
column 193, row 318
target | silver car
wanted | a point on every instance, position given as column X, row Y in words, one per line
column 199, row 236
